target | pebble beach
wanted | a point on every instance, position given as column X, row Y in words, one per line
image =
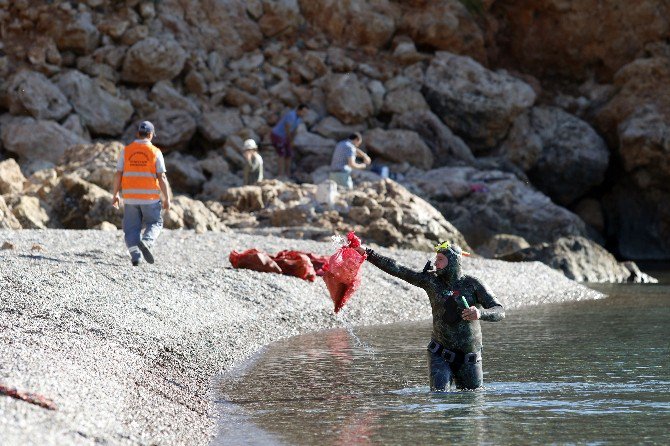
column 129, row 355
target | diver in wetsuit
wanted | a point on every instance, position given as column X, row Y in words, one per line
column 454, row 352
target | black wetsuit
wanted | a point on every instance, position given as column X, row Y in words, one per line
column 450, row 332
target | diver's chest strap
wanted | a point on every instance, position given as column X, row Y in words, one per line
column 454, row 356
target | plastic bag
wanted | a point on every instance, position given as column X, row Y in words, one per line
column 255, row 260
column 342, row 272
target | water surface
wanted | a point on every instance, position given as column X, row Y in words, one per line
column 593, row 372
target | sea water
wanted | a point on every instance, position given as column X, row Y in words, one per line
column 594, row 372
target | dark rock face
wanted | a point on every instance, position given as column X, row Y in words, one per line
column 582, row 260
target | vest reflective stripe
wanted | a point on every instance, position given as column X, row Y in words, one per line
column 139, row 172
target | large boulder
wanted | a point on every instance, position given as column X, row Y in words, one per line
column 348, row 99
column 95, row 163
column 331, row 128
column 447, row 148
column 399, row 146
column 192, row 214
column 184, row 172
column 404, row 100
column 444, row 25
column 30, row 212
column 563, row 156
column 356, row 22
column 280, row 17
column 478, row 104
column 174, row 129
column 166, row 96
column 78, row 204
column 11, row 177
column 78, row 34
column 7, row 218
column 224, row 27
column 101, row 112
column 581, row 259
column 152, row 60
column 29, row 92
column 37, row 139
column 482, row 204
column 217, row 126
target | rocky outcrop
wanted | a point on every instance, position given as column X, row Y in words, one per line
column 95, row 163
column 11, row 177
column 562, row 154
column 540, row 37
column 478, row 104
column 101, row 112
column 7, row 218
column 192, row 214
column 399, row 146
column 79, row 204
column 580, row 259
column 151, row 60
column 29, row 92
column 348, row 100
column 447, row 148
column 482, row 204
column 37, row 139
column 30, row 213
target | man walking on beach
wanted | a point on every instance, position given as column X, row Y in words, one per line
column 140, row 176
column 458, row 302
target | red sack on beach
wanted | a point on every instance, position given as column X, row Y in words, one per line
column 342, row 272
column 295, row 263
column 255, row 260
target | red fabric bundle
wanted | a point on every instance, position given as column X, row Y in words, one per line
column 294, row 263
column 342, row 272
column 255, row 260
column 304, row 265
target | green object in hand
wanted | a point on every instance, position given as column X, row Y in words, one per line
column 465, row 302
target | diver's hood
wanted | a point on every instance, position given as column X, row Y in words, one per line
column 452, row 272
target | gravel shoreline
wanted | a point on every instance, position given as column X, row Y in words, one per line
column 129, row 354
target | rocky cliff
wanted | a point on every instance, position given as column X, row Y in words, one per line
column 540, row 120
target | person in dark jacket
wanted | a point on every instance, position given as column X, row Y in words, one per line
column 458, row 302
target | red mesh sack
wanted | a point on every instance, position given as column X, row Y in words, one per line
column 255, row 260
column 318, row 262
column 342, row 272
column 295, row 263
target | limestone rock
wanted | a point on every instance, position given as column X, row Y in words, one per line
column 245, row 198
column 444, row 25
column 447, row 148
column 192, row 214
column 399, row 146
column 79, row 204
column 348, row 99
column 7, row 218
column 562, row 154
column 95, row 163
column 478, row 104
column 331, row 128
column 32, row 93
column 482, row 204
column 404, row 100
column 101, row 112
column 167, row 97
column 11, row 177
column 152, row 60
column 79, row 35
column 184, row 173
column 38, row 139
column 280, row 17
column 30, row 213
column 540, row 37
column 579, row 259
column 217, row 126
column 354, row 22
column 174, row 129
column 501, row 245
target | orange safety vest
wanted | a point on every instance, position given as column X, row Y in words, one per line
column 139, row 180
